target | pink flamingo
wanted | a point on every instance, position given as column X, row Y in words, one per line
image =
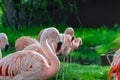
column 29, row 64
column 3, row 43
column 24, row 41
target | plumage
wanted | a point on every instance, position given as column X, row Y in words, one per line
column 3, row 43
column 29, row 64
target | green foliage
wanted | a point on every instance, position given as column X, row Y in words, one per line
column 96, row 36
column 60, row 4
column 36, row 12
column 96, row 41
column 80, row 72
column 99, row 38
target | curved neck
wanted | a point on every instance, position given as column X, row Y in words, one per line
column 53, row 59
column 51, row 44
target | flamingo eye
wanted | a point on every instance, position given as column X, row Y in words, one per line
column 72, row 39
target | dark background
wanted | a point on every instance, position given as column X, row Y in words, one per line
column 83, row 13
column 94, row 13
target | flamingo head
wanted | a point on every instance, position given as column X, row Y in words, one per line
column 67, row 44
column 59, row 44
column 4, row 41
column 77, row 42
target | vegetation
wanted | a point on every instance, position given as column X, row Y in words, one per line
column 96, row 41
column 36, row 12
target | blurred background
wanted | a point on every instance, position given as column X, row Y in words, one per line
column 71, row 12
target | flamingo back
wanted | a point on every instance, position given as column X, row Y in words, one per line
column 21, row 61
column 24, row 41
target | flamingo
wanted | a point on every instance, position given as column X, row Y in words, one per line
column 77, row 42
column 24, row 41
column 69, row 41
column 115, row 67
column 3, row 43
column 29, row 64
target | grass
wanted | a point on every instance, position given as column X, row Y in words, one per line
column 96, row 36
column 96, row 41
column 82, row 72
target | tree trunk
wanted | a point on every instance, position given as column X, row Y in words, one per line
column 15, row 13
column 30, row 16
column 9, row 10
column 3, row 10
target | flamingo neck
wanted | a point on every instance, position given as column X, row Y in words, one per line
column 51, row 44
column 53, row 59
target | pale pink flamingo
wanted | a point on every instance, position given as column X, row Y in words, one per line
column 24, row 41
column 3, row 43
column 29, row 64
column 76, row 41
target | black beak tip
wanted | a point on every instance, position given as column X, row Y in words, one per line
column 59, row 44
column 72, row 39
column 6, row 47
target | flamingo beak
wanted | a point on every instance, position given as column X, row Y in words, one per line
column 59, row 44
column 72, row 39
column 6, row 47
